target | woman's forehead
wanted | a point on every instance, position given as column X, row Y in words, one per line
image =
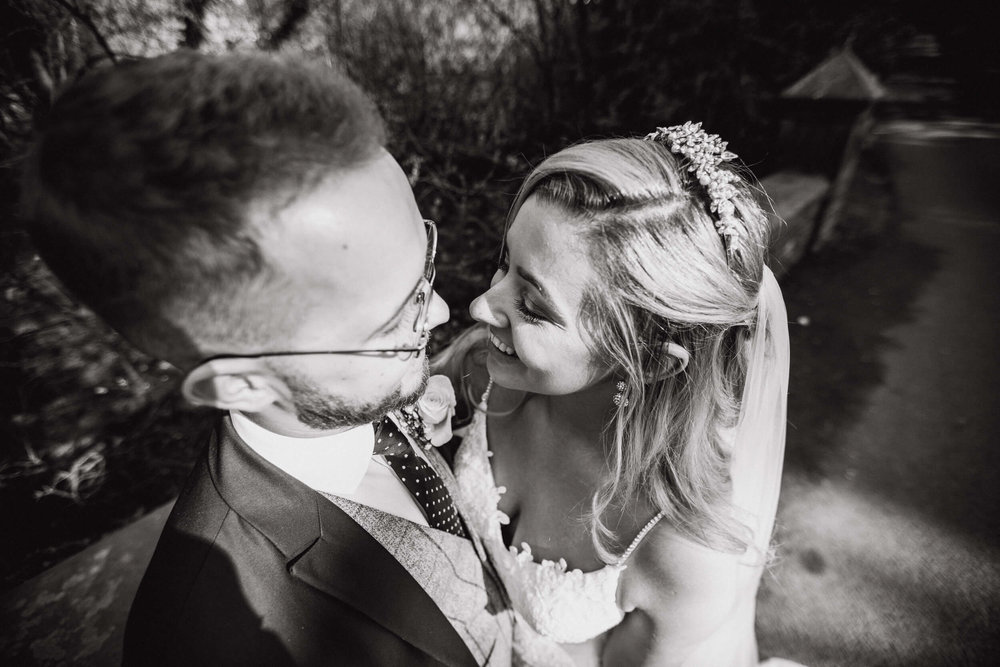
column 545, row 241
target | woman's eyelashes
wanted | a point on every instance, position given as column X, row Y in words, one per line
column 525, row 312
column 528, row 314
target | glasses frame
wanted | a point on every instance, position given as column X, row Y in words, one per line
column 423, row 299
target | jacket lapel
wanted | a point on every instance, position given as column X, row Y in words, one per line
column 326, row 549
column 349, row 564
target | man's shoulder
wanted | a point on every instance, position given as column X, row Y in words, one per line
column 221, row 588
column 200, row 506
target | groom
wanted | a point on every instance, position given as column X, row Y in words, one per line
column 237, row 216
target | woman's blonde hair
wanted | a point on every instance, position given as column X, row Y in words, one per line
column 663, row 276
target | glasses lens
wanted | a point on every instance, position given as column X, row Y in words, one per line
column 432, row 242
column 423, row 298
column 425, row 338
column 426, row 290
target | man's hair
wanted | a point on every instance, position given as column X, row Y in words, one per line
column 138, row 190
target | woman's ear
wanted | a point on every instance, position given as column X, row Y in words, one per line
column 673, row 359
column 233, row 384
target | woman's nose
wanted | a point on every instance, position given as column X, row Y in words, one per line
column 484, row 309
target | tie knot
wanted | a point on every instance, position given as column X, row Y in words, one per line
column 389, row 440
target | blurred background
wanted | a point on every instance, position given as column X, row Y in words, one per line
column 475, row 92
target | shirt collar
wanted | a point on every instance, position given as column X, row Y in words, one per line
column 333, row 464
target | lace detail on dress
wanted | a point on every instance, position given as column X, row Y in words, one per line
column 567, row 606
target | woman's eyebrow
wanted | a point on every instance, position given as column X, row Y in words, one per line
column 533, row 280
column 526, row 275
column 546, row 303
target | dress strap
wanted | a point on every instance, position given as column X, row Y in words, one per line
column 638, row 538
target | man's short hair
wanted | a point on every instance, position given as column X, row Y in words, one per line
column 138, row 188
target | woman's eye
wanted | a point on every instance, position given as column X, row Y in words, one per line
column 524, row 311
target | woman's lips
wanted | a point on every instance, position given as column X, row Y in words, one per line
column 500, row 345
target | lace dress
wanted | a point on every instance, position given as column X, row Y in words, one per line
column 559, row 604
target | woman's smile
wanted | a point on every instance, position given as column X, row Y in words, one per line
column 503, row 347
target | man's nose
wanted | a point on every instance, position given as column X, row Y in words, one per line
column 438, row 312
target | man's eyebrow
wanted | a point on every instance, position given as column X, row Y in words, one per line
column 394, row 321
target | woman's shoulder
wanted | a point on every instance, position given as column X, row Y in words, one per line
column 670, row 567
column 695, row 601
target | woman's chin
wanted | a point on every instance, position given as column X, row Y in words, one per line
column 501, row 365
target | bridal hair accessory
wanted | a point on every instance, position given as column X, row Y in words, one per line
column 620, row 399
column 706, row 152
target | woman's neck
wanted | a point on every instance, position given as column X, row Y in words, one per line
column 584, row 414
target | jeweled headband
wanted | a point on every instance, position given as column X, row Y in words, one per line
column 705, row 152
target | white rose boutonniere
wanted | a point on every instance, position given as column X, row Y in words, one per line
column 436, row 408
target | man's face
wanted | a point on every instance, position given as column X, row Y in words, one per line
column 351, row 254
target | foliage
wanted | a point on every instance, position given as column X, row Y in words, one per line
column 474, row 93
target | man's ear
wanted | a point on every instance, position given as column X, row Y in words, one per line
column 673, row 360
column 234, row 384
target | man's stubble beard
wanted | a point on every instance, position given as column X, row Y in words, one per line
column 322, row 411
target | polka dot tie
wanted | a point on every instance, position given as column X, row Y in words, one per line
column 426, row 486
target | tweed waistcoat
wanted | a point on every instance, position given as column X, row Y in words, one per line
column 454, row 571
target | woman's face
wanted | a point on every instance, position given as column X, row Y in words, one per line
column 533, row 305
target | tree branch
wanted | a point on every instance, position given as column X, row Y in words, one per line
column 194, row 22
column 295, row 12
column 88, row 23
column 507, row 22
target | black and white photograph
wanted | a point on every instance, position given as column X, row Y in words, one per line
column 507, row 333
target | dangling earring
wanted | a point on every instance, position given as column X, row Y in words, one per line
column 620, row 399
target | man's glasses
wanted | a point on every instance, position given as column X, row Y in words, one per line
column 423, row 297
column 424, row 290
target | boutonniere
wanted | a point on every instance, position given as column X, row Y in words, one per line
column 436, row 407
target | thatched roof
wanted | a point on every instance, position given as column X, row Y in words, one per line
column 842, row 76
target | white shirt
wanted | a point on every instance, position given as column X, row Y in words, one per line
column 340, row 464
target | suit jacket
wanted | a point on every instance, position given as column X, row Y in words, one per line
column 255, row 568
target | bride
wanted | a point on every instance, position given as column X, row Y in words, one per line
column 628, row 381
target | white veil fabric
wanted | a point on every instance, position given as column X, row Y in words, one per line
column 759, row 444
